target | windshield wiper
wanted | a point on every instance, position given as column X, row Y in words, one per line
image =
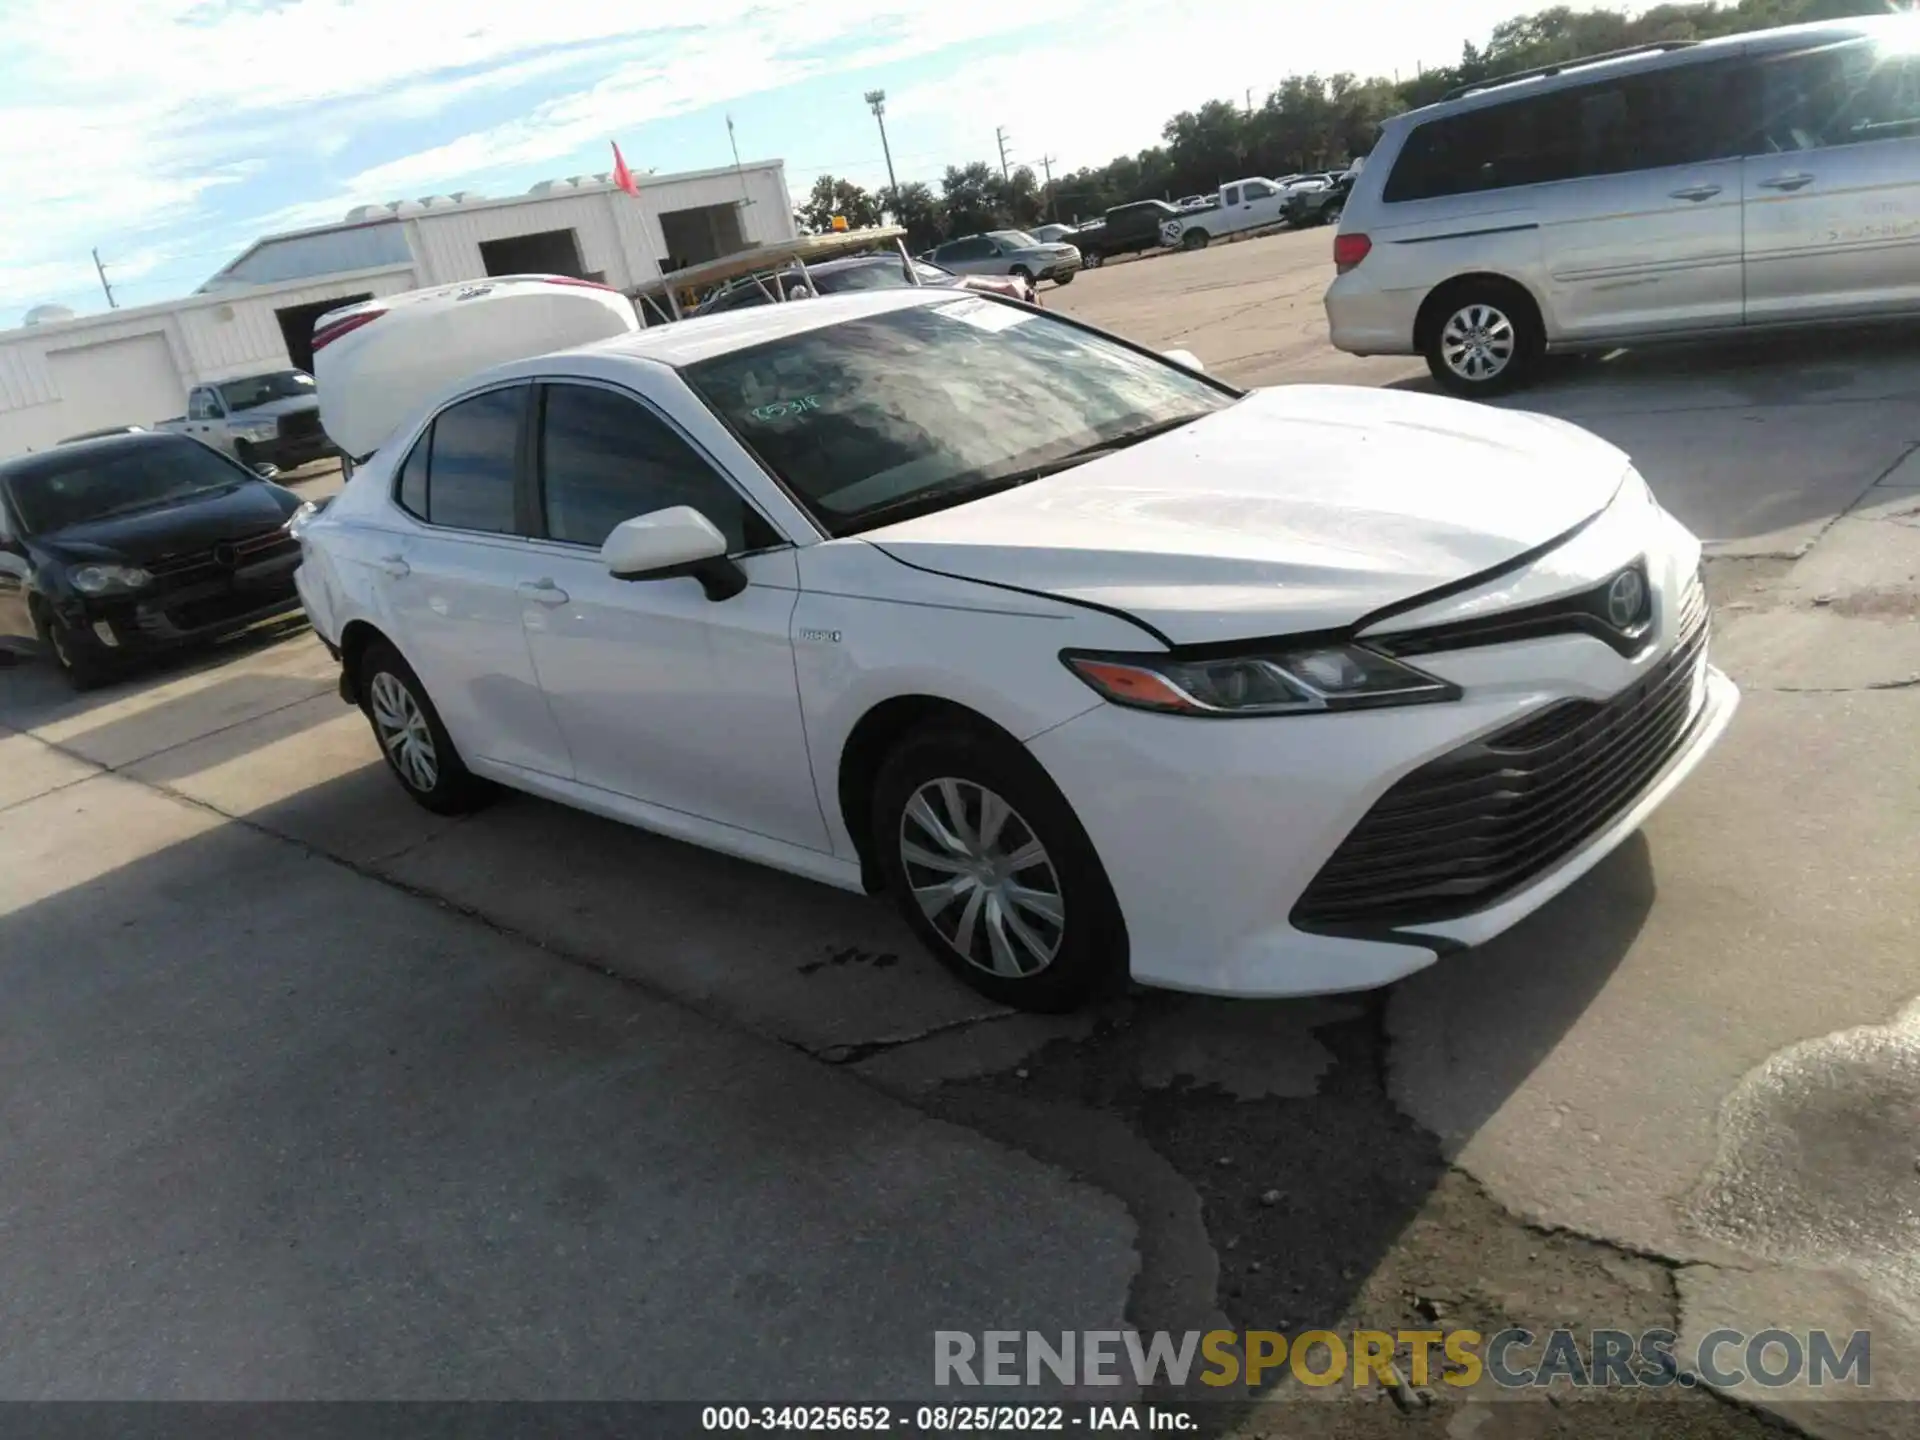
column 1094, row 451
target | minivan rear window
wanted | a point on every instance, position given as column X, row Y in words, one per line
column 1681, row 115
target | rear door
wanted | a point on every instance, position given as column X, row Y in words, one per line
column 450, row 582
column 1832, row 185
column 15, row 624
column 1641, row 231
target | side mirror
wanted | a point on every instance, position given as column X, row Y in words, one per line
column 1185, row 358
column 666, row 544
column 266, row 471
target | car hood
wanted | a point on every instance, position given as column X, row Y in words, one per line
column 180, row 527
column 1298, row 509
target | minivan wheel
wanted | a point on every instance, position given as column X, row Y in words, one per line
column 993, row 872
column 1483, row 340
column 412, row 738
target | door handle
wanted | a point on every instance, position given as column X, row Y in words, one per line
column 1695, row 192
column 1787, row 182
column 396, row 566
column 543, row 591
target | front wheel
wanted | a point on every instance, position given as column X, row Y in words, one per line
column 1021, row 272
column 992, row 870
column 1483, row 339
column 412, row 737
column 1066, row 279
column 80, row 657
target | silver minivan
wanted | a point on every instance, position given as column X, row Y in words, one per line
column 1677, row 191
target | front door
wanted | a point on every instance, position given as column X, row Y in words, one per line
column 664, row 695
column 450, row 583
column 1833, row 188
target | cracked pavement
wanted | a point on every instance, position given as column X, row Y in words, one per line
column 310, row 1093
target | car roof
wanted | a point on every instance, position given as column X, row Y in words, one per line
column 72, row 454
column 1580, row 72
column 686, row 342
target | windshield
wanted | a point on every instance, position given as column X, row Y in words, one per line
column 874, row 420
column 53, row 496
column 257, row 390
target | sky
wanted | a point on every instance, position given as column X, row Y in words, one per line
column 169, row 134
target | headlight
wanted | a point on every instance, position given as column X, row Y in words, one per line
column 301, row 518
column 1291, row 682
column 99, row 579
column 258, row 429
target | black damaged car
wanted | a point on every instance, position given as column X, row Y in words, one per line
column 116, row 547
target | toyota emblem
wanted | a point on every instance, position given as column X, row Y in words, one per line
column 1626, row 598
column 226, row 557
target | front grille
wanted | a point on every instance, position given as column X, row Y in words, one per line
column 247, row 550
column 1464, row 831
column 300, row 424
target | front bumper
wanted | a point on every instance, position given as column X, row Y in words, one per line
column 1058, row 268
column 1212, row 831
column 203, row 608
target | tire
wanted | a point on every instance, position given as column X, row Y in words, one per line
column 1481, row 338
column 1064, row 942
column 243, row 452
column 1023, row 273
column 1091, row 260
column 1331, row 216
column 1195, row 240
column 404, row 721
column 78, row 655
column 1066, row 279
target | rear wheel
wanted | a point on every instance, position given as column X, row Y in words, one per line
column 1482, row 338
column 1195, row 240
column 412, row 738
column 992, row 870
column 1090, row 259
column 1066, row 279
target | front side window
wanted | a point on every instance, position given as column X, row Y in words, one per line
column 1842, row 95
column 470, row 469
column 1256, row 191
column 605, row 458
column 877, row 419
column 202, row 406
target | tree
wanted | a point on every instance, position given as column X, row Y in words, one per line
column 831, row 197
column 915, row 207
column 971, row 197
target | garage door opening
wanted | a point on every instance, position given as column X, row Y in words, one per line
column 550, row 252
column 296, row 326
column 705, row 232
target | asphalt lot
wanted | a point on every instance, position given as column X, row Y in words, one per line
column 311, row 1094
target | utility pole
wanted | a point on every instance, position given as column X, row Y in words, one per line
column 877, row 101
column 1249, row 102
column 1000, row 138
column 112, row 304
column 1053, row 207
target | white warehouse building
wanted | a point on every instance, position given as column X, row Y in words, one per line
column 61, row 375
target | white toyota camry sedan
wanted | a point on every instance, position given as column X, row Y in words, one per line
column 1102, row 667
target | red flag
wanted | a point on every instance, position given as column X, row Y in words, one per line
column 622, row 176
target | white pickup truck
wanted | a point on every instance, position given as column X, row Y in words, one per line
column 1248, row 204
column 266, row 419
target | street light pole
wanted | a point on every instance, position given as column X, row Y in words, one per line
column 877, row 99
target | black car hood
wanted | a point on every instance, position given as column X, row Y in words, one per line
column 179, row 527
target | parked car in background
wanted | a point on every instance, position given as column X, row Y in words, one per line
column 1009, row 252
column 884, row 271
column 1243, row 205
column 116, row 547
column 1674, row 192
column 102, row 434
column 1124, row 230
column 1053, row 234
column 271, row 418
column 940, row 595
column 1316, row 204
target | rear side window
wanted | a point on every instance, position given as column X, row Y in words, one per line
column 1841, row 95
column 1682, row 115
column 413, row 478
column 470, row 473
